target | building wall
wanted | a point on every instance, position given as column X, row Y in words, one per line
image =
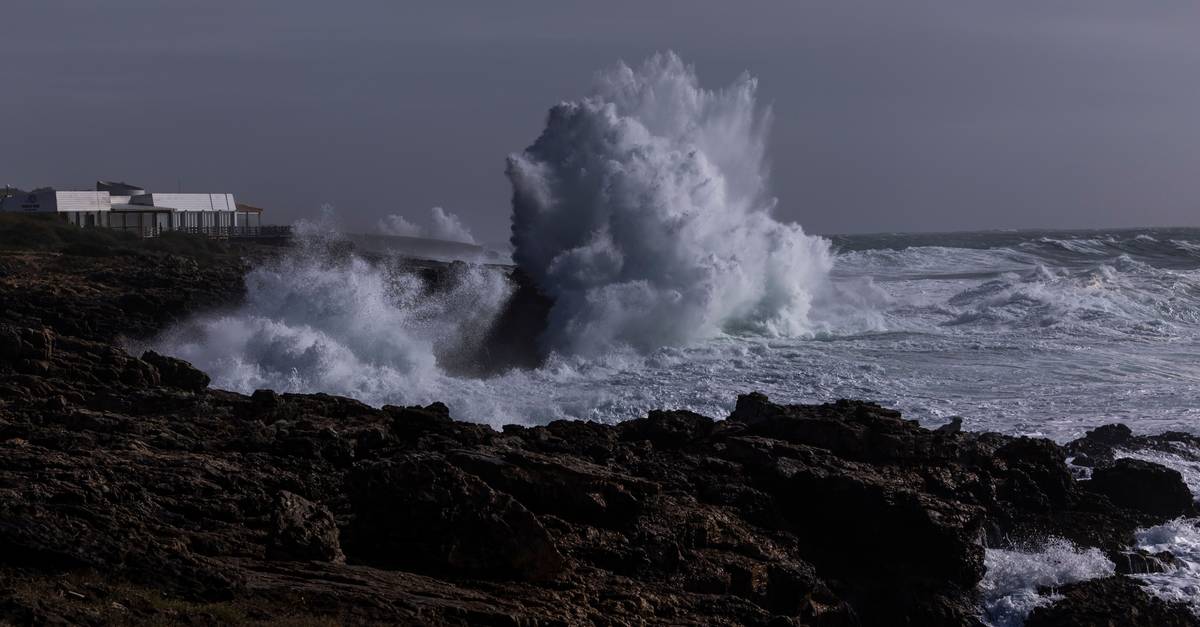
column 87, row 219
column 49, row 201
column 83, row 201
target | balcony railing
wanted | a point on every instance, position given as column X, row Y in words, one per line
column 215, row 232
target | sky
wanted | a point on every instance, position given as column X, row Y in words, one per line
column 889, row 116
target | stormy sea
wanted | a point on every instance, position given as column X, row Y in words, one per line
column 1028, row 332
column 643, row 215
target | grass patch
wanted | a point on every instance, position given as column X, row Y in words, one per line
column 48, row 232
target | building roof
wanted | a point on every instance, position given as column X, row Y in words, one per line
column 119, row 188
column 248, row 208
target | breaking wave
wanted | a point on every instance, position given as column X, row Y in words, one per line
column 1010, row 587
column 643, row 211
column 1179, row 582
column 312, row 322
column 1043, row 286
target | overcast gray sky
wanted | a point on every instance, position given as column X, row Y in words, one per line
column 890, row 115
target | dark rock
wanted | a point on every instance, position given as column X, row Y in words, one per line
column 264, row 400
column 410, row 422
column 1140, row 562
column 422, row 513
column 1113, row 435
column 1110, row 602
column 177, row 373
column 1149, row 488
column 795, row 590
column 512, row 340
column 302, row 530
column 32, row 345
column 1099, row 445
column 1083, row 461
column 954, row 426
column 752, row 408
column 10, row 343
column 1038, row 475
column 668, row 429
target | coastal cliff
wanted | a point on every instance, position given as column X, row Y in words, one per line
column 132, row 492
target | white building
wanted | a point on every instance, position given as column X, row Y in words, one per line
column 130, row 208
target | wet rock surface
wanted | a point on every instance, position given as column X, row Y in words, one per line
column 131, row 492
column 1144, row 486
column 1109, row 602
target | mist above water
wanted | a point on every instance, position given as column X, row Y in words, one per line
column 369, row 330
column 443, row 225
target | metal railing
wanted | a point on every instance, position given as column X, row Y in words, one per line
column 224, row 232
column 215, row 232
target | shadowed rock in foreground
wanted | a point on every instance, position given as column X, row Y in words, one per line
column 130, row 492
column 119, row 475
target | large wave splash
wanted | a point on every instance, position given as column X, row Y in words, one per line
column 643, row 212
column 317, row 320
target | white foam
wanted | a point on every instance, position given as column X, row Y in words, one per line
column 346, row 327
column 1180, row 583
column 1186, row 246
column 1009, row 589
column 644, row 212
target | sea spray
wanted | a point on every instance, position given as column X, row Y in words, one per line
column 318, row 320
column 1180, row 581
column 443, row 225
column 1009, row 590
column 643, row 211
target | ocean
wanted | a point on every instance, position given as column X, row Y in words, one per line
column 644, row 212
column 1044, row 333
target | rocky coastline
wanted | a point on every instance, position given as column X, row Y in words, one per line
column 131, row 492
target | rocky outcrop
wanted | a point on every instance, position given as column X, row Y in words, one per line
column 423, row 514
column 833, row 514
column 1146, row 487
column 132, row 492
column 302, row 530
column 1110, row 602
column 176, row 373
column 131, row 295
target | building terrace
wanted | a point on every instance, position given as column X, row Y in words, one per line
column 126, row 207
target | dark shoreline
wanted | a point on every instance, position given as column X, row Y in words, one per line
column 130, row 492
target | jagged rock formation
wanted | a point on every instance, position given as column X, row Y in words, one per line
column 1112, row 601
column 131, row 492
